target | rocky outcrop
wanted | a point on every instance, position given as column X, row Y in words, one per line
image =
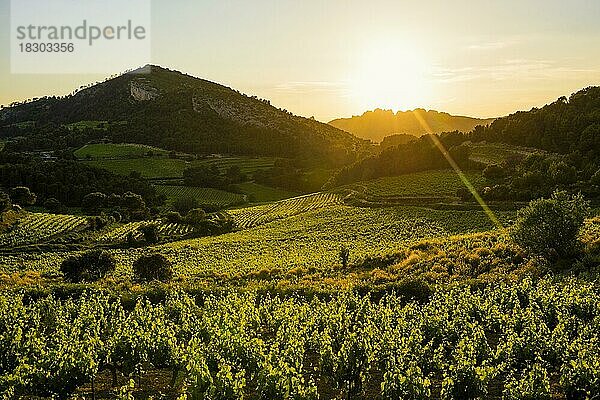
column 142, row 91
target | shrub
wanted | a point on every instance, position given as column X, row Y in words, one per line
column 551, row 226
column 173, row 217
column 153, row 267
column 195, row 216
column 150, row 233
column 53, row 205
column 22, row 196
column 92, row 203
column 5, row 203
column 88, row 267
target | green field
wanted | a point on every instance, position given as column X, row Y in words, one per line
column 246, row 164
column 496, row 153
column 263, row 194
column 203, row 195
column 150, row 168
column 429, row 183
column 110, row 150
column 160, row 167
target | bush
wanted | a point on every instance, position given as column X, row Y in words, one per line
column 88, row 267
column 92, row 203
column 53, row 205
column 195, row 216
column 494, row 172
column 5, row 203
column 551, row 226
column 184, row 204
column 173, row 217
column 150, row 233
column 22, row 196
column 153, row 267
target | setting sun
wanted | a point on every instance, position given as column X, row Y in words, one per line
column 390, row 76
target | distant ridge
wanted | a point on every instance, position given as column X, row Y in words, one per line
column 377, row 124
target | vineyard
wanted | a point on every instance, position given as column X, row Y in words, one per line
column 132, row 230
column 420, row 184
column 39, row 227
column 496, row 153
column 246, row 165
column 150, row 168
column 123, row 150
column 311, row 240
column 204, row 196
column 258, row 215
column 527, row 340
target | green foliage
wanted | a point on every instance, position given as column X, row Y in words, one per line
column 150, row 232
column 93, row 203
column 153, row 267
column 247, row 345
column 551, row 226
column 88, row 267
column 22, row 196
column 5, row 203
column 53, row 205
column 534, row 384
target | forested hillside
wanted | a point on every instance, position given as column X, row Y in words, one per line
column 171, row 110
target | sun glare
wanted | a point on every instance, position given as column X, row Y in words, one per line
column 390, row 76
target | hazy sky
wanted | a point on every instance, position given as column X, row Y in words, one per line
column 334, row 58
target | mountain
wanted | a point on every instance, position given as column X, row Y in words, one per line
column 377, row 124
column 172, row 110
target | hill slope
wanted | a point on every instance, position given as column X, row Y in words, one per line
column 168, row 109
column 377, row 124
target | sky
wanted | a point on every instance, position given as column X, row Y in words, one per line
column 338, row 58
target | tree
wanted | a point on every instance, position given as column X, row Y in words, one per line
column 184, row 204
column 5, row 203
column 133, row 202
column 53, row 205
column 22, row 196
column 195, row 216
column 150, row 233
column 93, row 202
column 88, row 267
column 551, row 226
column 153, row 267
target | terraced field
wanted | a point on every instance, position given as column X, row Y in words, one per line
column 206, row 196
column 121, row 233
column 39, row 227
column 258, row 215
column 247, row 165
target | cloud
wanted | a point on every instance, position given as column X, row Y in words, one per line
column 509, row 69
